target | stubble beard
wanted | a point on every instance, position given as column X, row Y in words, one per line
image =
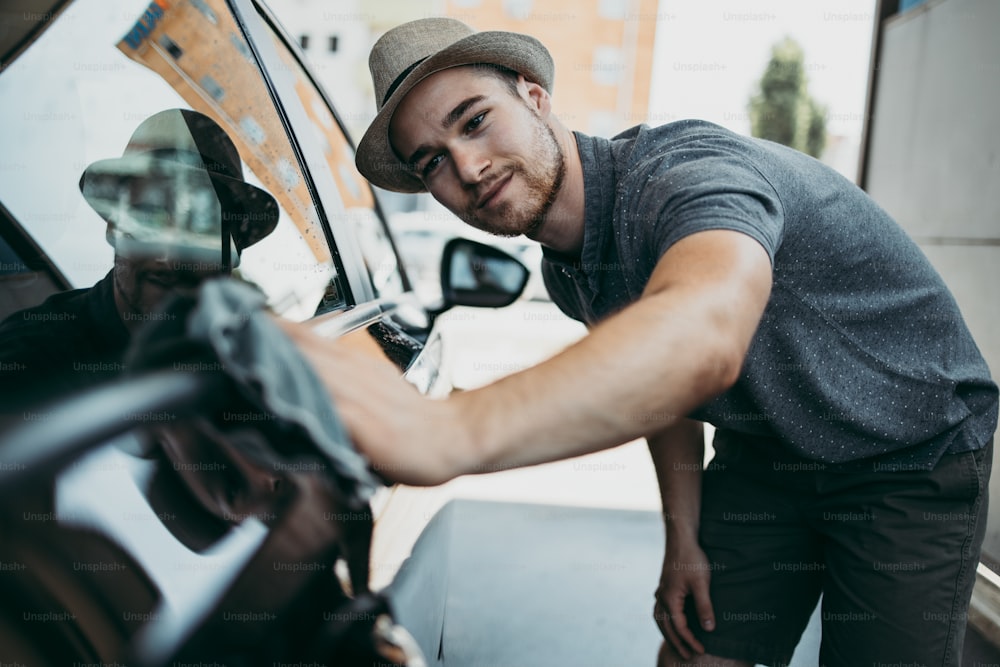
column 128, row 291
column 136, row 296
column 542, row 185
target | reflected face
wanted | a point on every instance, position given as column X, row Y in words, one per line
column 167, row 240
column 485, row 153
column 143, row 283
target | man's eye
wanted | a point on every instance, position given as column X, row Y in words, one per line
column 431, row 165
column 475, row 122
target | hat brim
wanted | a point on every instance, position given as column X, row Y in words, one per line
column 252, row 213
column 375, row 157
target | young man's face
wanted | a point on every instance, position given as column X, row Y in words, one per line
column 484, row 153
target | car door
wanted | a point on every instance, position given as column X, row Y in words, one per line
column 101, row 68
column 118, row 542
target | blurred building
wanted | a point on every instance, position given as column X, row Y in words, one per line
column 335, row 38
column 841, row 153
column 603, row 49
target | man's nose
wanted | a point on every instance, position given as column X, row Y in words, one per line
column 470, row 163
column 161, row 255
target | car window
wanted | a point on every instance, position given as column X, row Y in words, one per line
column 93, row 77
column 356, row 207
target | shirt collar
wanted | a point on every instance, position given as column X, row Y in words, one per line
column 105, row 320
column 599, row 183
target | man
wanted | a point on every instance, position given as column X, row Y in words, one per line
column 727, row 280
column 169, row 201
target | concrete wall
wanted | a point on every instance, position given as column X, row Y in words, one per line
column 934, row 157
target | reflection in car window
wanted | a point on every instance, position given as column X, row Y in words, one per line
column 93, row 77
column 356, row 199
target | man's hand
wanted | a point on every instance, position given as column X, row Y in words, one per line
column 678, row 452
column 686, row 572
column 680, row 344
column 382, row 411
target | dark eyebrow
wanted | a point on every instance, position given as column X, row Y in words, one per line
column 460, row 110
column 450, row 119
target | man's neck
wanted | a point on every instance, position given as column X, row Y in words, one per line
column 562, row 230
column 124, row 311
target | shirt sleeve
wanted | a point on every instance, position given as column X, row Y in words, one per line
column 703, row 191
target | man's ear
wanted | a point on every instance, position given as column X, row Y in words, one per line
column 535, row 95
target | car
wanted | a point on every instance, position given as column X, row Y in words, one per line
column 422, row 235
column 174, row 505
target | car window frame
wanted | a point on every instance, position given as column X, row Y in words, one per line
column 29, row 253
column 258, row 23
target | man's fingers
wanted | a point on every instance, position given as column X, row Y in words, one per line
column 675, row 604
column 703, row 604
column 662, row 617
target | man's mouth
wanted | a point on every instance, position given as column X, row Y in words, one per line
column 493, row 192
column 167, row 280
column 163, row 280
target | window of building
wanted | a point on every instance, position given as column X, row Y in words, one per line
column 607, row 66
column 171, row 47
column 355, row 206
column 611, row 9
column 518, row 9
column 212, row 87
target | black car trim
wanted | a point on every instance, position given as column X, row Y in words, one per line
column 281, row 86
column 420, row 346
column 251, row 25
column 35, row 18
column 268, row 15
column 21, row 242
column 336, row 324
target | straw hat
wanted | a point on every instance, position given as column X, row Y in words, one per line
column 187, row 154
column 408, row 54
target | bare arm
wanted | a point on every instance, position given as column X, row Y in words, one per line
column 680, row 344
column 678, row 453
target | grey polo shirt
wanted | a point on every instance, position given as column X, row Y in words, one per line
column 861, row 352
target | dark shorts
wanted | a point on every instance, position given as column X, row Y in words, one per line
column 894, row 555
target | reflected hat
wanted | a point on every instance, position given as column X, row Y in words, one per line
column 407, row 54
column 189, row 149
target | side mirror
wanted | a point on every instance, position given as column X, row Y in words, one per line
column 476, row 274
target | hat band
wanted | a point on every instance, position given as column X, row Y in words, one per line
column 399, row 80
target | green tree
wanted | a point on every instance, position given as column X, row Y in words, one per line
column 782, row 109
